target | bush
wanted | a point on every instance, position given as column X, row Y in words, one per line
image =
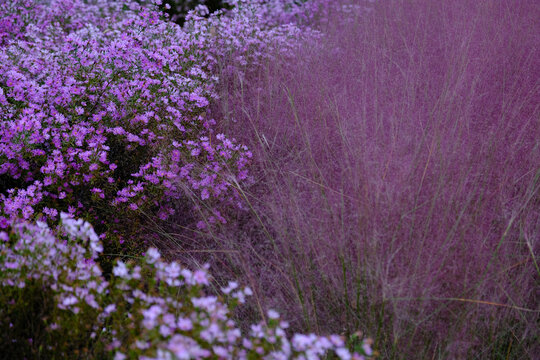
column 103, row 115
column 104, row 109
column 55, row 302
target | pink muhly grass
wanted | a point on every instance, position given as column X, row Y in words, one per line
column 397, row 176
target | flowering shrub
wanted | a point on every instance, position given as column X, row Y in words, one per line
column 103, row 107
column 250, row 33
column 148, row 309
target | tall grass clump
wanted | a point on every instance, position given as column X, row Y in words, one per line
column 396, row 178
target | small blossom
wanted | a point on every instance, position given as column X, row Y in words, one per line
column 121, row 270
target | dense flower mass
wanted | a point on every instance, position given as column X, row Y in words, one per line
column 149, row 309
column 103, row 105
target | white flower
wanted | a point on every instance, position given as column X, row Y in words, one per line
column 367, row 348
column 109, row 309
column 343, row 354
column 119, row 356
column 185, row 324
column 200, row 277
column 121, row 270
column 272, row 314
column 150, row 316
column 232, row 285
column 70, row 300
column 152, row 255
column 173, row 270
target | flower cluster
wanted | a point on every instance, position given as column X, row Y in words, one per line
column 251, row 32
column 269, row 11
column 147, row 309
column 104, row 105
